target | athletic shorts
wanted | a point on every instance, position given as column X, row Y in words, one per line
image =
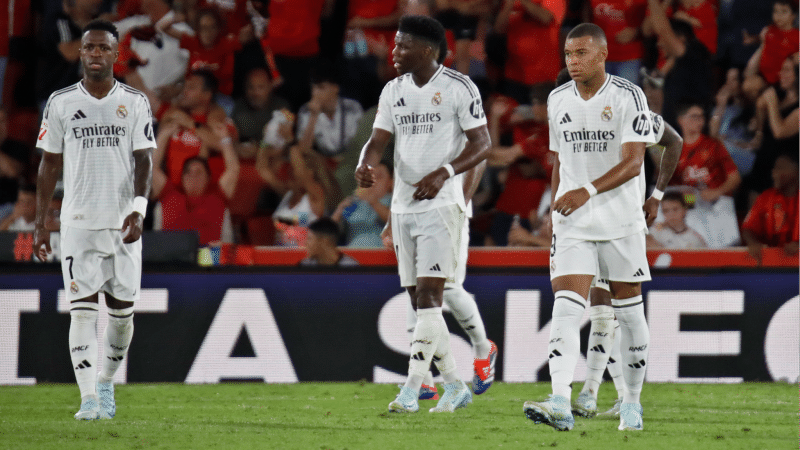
column 97, row 260
column 428, row 244
column 461, row 265
column 623, row 259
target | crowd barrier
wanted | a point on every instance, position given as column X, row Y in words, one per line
column 280, row 325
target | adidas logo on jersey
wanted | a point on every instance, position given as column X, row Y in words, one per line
column 79, row 115
column 435, row 268
column 565, row 119
column 639, row 273
column 401, row 102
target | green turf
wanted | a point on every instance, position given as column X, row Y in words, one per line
column 354, row 416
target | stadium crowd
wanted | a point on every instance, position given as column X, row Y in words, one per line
column 262, row 107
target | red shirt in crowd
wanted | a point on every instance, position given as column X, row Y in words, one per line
column 218, row 59
column 534, row 54
column 234, row 13
column 203, row 214
column 774, row 218
column 614, row 16
column 778, row 45
column 294, row 27
column 186, row 144
column 705, row 162
column 522, row 194
column 706, row 33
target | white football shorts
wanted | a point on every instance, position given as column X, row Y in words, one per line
column 623, row 259
column 98, row 260
column 428, row 244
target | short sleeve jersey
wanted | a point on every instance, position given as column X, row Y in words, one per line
column 774, row 218
column 703, row 163
column 588, row 137
column 97, row 138
column 428, row 124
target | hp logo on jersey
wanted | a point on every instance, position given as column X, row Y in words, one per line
column 476, row 109
column 641, row 125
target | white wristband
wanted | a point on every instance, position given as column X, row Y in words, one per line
column 658, row 195
column 449, row 170
column 140, row 205
column 591, row 189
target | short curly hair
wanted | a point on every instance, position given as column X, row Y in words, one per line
column 425, row 28
column 102, row 25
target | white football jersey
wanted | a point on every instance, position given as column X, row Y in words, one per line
column 97, row 138
column 588, row 136
column 428, row 124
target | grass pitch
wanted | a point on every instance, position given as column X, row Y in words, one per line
column 354, row 416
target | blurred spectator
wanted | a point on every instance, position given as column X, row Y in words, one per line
column 462, row 17
column 702, row 16
column 14, row 165
column 59, row 63
column 185, row 130
column 738, row 20
column 773, row 221
column 777, row 113
column 529, row 162
column 532, row 39
column 779, row 41
column 149, row 59
column 198, row 204
column 687, row 68
column 24, row 213
column 706, row 168
column 363, row 215
column 347, row 166
column 210, row 49
column 293, row 37
column 328, row 121
column 673, row 233
column 252, row 113
column 621, row 20
column 323, row 234
column 233, row 14
column 733, row 122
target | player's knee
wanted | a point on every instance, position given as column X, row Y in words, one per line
column 120, row 318
column 83, row 312
column 115, row 303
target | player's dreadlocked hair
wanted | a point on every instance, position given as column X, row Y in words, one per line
column 425, row 28
column 102, row 25
column 588, row 29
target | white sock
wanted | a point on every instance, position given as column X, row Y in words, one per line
column 615, row 362
column 427, row 334
column 119, row 332
column 444, row 360
column 465, row 310
column 83, row 346
column 411, row 317
column 634, row 345
column 601, row 339
column 565, row 345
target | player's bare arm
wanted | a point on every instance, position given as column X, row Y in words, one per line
column 143, row 179
column 629, row 167
column 476, row 150
column 49, row 170
column 370, row 156
column 668, row 151
column 472, row 178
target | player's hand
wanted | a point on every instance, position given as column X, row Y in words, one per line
column 572, row 200
column 754, row 249
column 41, row 242
column 386, row 235
column 365, row 176
column 430, row 184
column 710, row 195
column 651, row 210
column 132, row 228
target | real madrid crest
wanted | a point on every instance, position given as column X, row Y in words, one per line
column 606, row 115
column 73, row 288
column 437, row 99
column 122, row 112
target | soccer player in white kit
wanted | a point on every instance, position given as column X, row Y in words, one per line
column 100, row 131
column 437, row 119
column 599, row 126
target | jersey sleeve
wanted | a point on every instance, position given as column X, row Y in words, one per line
column 636, row 123
column 725, row 159
column 754, row 222
column 383, row 117
column 469, row 107
column 143, row 136
column 551, row 121
column 658, row 127
column 51, row 133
